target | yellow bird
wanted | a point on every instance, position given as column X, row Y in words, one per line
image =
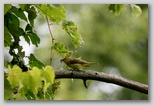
column 76, row 63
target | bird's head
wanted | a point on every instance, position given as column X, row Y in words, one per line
column 63, row 60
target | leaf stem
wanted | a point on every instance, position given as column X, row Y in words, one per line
column 51, row 56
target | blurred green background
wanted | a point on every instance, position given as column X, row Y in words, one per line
column 118, row 43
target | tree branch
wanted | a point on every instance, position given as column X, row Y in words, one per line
column 100, row 76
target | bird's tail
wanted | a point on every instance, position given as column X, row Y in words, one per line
column 91, row 63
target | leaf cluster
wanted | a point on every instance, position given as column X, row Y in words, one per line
column 117, row 8
column 34, row 84
column 13, row 31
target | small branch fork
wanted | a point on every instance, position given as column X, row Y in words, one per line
column 100, row 76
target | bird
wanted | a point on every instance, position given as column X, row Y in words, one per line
column 76, row 63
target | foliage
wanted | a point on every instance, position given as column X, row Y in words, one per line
column 117, row 8
column 71, row 29
column 28, row 85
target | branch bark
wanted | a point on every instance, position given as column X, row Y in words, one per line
column 100, row 76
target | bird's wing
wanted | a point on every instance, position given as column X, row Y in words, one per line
column 77, row 61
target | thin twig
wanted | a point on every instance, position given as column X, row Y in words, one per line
column 51, row 56
column 99, row 76
column 50, row 30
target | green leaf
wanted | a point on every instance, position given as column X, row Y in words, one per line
column 49, row 93
column 20, row 52
column 60, row 48
column 7, row 37
column 34, row 38
column 56, row 13
column 71, row 29
column 30, row 9
column 28, row 28
column 31, row 81
column 48, row 76
column 13, row 21
column 25, row 83
column 30, row 95
column 7, row 89
column 76, row 39
column 27, row 39
column 116, row 8
column 7, row 7
column 31, row 15
column 14, row 76
column 31, row 36
column 16, row 32
column 34, row 62
column 36, row 79
column 24, row 7
column 136, row 10
column 19, row 13
column 18, row 96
